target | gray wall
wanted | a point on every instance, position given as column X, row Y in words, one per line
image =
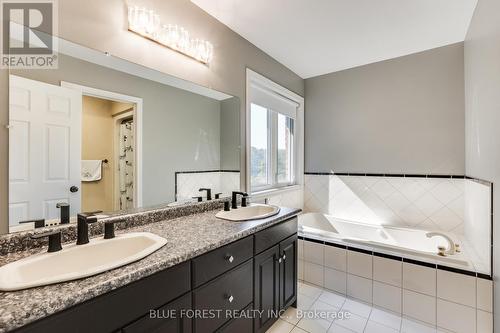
column 181, row 130
column 102, row 25
column 404, row 115
column 229, row 134
column 482, row 113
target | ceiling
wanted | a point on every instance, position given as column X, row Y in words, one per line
column 315, row 37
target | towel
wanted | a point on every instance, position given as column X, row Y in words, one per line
column 91, row 170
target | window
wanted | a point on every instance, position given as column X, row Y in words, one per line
column 273, row 155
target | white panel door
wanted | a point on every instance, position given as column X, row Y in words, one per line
column 44, row 149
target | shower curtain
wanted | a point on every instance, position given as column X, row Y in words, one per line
column 126, row 164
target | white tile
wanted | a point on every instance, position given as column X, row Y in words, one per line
column 374, row 327
column 298, row 330
column 324, row 310
column 335, row 280
column 333, row 299
column 359, row 287
column 413, row 326
column 458, row 288
column 411, row 215
column 446, row 219
column 397, row 202
column 280, row 326
column 359, row 264
column 314, row 325
column 387, row 296
column 314, row 273
column 304, row 302
column 335, row 258
column 446, row 192
column 484, row 322
column 353, row 322
column 300, row 269
column 386, row 318
column 300, row 249
column 358, row 308
column 485, row 295
column 419, row 278
column 455, row 317
column 383, row 188
column 387, row 270
column 309, row 290
column 291, row 316
column 419, row 306
column 313, row 252
column 428, row 204
column 338, row 329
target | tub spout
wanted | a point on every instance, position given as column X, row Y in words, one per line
column 452, row 249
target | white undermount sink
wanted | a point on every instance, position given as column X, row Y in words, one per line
column 252, row 212
column 78, row 261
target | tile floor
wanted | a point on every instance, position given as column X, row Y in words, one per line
column 363, row 318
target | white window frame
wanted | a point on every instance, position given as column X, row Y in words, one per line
column 253, row 78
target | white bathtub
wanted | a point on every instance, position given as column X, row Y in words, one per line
column 405, row 241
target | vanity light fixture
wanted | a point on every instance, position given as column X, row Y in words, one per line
column 146, row 23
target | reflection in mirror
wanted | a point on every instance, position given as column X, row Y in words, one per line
column 100, row 134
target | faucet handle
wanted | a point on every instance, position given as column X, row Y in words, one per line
column 109, row 229
column 217, row 195
column 245, row 201
column 39, row 223
column 54, row 239
column 199, row 199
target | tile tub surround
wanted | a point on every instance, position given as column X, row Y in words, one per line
column 21, row 241
column 187, row 183
column 428, row 202
column 425, row 292
column 458, row 205
column 187, row 237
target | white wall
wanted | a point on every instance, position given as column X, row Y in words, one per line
column 482, row 112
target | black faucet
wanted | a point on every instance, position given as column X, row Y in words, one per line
column 209, row 192
column 234, row 199
column 82, row 227
column 54, row 240
column 64, row 212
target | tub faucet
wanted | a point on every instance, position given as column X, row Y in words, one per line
column 452, row 249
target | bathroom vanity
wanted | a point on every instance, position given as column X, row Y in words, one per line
column 208, row 267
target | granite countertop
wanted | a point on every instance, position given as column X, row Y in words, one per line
column 187, row 237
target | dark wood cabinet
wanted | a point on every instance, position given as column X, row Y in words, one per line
column 266, row 287
column 229, row 292
column 288, row 272
column 258, row 272
column 275, row 275
column 168, row 318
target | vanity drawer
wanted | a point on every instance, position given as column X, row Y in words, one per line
column 168, row 318
column 214, row 263
column 273, row 235
column 216, row 295
column 240, row 325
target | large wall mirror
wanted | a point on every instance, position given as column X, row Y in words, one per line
column 102, row 134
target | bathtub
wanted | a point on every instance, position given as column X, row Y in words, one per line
column 412, row 243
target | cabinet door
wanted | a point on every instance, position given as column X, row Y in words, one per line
column 167, row 319
column 288, row 272
column 266, row 288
